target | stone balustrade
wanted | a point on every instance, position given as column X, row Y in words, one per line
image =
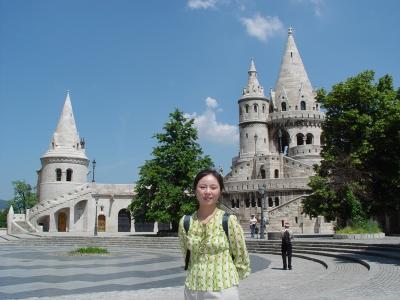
column 271, row 183
column 297, row 114
column 302, row 150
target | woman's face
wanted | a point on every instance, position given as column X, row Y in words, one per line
column 208, row 191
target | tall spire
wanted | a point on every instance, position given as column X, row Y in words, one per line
column 65, row 140
column 293, row 83
column 253, row 88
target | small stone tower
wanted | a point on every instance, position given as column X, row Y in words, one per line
column 253, row 112
column 64, row 165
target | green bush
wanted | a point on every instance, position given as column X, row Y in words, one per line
column 362, row 227
column 90, row 250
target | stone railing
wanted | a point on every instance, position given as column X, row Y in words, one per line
column 293, row 201
column 271, row 183
column 302, row 150
column 45, row 205
column 114, row 189
column 226, row 208
column 298, row 164
column 297, row 114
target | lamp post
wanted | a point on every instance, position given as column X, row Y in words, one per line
column 93, row 168
column 262, row 189
column 255, row 144
column 95, row 219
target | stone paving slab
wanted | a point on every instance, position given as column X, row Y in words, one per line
column 342, row 280
column 45, row 272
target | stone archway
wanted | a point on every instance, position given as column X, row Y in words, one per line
column 44, row 221
column 124, row 220
column 101, row 221
column 62, row 222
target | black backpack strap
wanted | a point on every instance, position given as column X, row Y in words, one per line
column 186, row 223
column 186, row 226
column 225, row 226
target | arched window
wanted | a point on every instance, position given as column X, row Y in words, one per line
column 247, row 108
column 263, row 108
column 233, row 203
column 262, row 171
column 270, row 202
column 237, row 203
column 58, row 174
column 247, row 202
column 317, row 106
column 276, row 173
column 276, row 201
column 253, row 202
column 69, row 175
column 255, row 107
column 303, row 105
column 124, row 220
column 309, row 139
column 283, row 106
column 300, row 139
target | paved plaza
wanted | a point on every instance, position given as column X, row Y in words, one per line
column 48, row 272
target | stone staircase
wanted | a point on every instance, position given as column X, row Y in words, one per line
column 297, row 168
column 292, row 211
column 59, row 201
column 25, row 226
column 344, row 251
column 311, row 250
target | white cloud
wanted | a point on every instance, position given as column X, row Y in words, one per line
column 201, row 4
column 210, row 129
column 211, row 102
column 261, row 27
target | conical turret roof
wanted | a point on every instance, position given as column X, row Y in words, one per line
column 65, row 140
column 253, row 88
column 293, row 84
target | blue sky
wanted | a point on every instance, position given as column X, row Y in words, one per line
column 128, row 64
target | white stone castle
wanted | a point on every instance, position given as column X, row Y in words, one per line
column 280, row 140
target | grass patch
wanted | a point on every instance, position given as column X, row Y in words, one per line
column 89, row 250
column 365, row 227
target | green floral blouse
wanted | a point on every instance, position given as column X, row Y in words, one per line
column 211, row 266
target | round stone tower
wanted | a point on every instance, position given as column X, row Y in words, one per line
column 253, row 112
column 64, row 165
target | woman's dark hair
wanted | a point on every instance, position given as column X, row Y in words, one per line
column 206, row 172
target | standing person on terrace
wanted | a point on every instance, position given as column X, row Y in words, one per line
column 216, row 263
column 253, row 224
column 286, row 246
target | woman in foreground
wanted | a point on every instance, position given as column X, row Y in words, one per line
column 218, row 257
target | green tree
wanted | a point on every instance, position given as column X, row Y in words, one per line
column 164, row 189
column 360, row 171
column 24, row 196
column 3, row 218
